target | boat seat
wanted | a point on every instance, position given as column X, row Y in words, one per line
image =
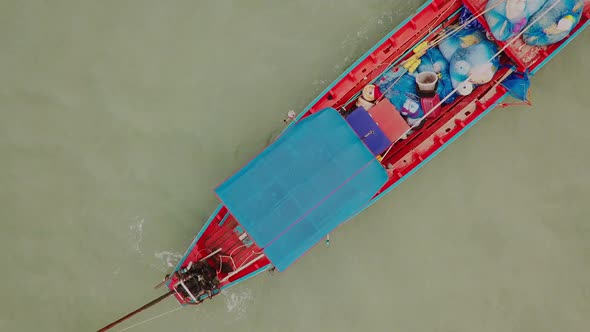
column 389, row 120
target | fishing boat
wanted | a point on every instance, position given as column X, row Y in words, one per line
column 352, row 145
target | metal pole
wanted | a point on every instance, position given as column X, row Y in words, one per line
column 129, row 315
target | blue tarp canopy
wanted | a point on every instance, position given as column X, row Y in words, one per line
column 310, row 180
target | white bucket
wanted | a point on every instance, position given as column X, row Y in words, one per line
column 427, row 81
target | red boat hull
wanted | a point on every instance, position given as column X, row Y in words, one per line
column 222, row 231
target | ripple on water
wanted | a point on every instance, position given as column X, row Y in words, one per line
column 236, row 303
column 169, row 258
column 136, row 235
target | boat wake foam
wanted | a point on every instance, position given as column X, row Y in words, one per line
column 168, row 257
column 136, row 235
column 236, row 302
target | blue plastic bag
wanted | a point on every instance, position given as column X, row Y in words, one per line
column 402, row 95
column 460, row 39
column 389, row 78
column 466, row 15
column 433, row 60
column 508, row 17
column 472, row 66
column 554, row 25
column 518, row 85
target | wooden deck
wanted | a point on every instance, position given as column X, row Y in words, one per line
column 231, row 246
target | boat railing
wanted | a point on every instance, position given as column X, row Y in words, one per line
column 190, row 294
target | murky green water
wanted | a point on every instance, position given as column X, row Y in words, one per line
column 118, row 118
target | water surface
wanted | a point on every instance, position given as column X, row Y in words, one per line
column 118, row 118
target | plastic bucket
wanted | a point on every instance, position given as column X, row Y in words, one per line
column 426, row 81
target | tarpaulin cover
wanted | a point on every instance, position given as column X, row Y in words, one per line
column 310, row 180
